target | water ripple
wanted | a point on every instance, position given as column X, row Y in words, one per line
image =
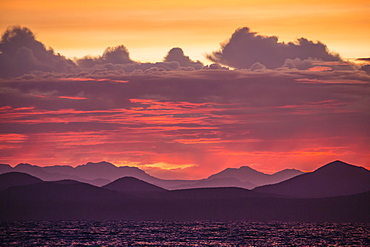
column 182, row 233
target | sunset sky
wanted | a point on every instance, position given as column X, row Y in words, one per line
column 284, row 90
column 150, row 28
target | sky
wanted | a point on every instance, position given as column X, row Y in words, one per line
column 185, row 89
column 150, row 28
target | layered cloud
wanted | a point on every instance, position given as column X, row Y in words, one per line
column 198, row 121
column 246, row 48
column 178, row 119
column 366, row 59
column 365, row 64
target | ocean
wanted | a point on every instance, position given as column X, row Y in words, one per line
column 182, row 233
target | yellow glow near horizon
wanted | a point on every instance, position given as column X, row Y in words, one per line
column 150, row 28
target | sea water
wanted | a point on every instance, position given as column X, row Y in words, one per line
column 182, row 233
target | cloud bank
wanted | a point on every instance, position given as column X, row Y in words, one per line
column 195, row 119
column 206, row 119
column 22, row 54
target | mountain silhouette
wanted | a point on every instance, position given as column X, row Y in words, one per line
column 71, row 200
column 216, row 193
column 61, row 191
column 5, row 168
column 255, row 178
column 66, row 181
column 74, row 200
column 11, row 179
column 333, row 179
column 45, row 173
column 131, row 185
column 102, row 173
column 97, row 174
column 216, row 183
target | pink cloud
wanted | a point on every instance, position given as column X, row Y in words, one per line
column 320, row 68
column 211, row 119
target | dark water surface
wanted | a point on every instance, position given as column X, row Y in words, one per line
column 181, row 233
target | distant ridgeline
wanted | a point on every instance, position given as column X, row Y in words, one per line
column 102, row 173
column 336, row 192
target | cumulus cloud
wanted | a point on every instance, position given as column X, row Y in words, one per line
column 246, row 48
column 257, row 66
column 112, row 55
column 215, row 66
column 299, row 63
column 177, row 55
column 21, row 53
column 118, row 59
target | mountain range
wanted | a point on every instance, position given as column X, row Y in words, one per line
column 336, row 192
column 102, row 173
column 334, row 179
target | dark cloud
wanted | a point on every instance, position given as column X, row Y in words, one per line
column 21, row 53
column 366, row 68
column 246, row 48
column 215, row 66
column 365, row 64
column 208, row 117
column 102, row 91
column 177, row 55
column 364, row 59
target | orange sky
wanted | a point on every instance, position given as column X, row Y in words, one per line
column 150, row 28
